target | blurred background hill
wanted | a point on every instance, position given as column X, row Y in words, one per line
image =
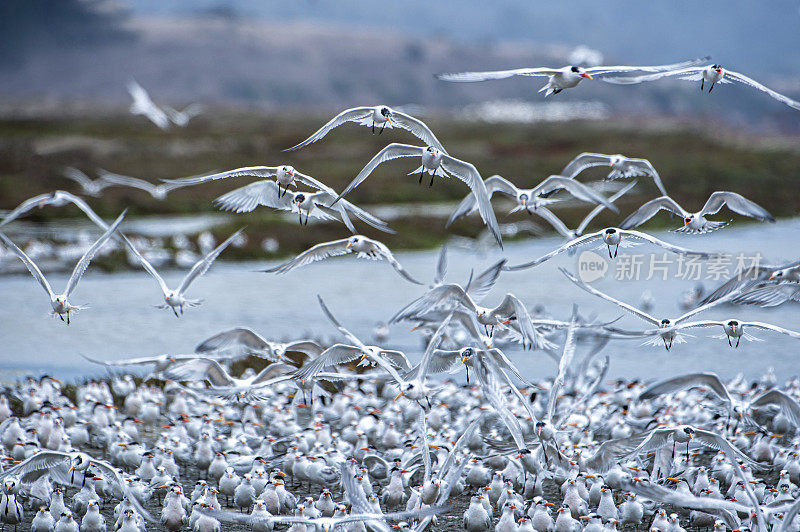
column 325, row 54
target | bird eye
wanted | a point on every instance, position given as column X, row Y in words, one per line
column 574, row 69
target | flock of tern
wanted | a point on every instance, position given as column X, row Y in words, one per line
column 352, row 436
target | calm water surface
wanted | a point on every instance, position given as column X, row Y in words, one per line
column 122, row 322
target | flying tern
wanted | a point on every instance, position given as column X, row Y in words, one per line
column 144, row 105
column 711, row 74
column 435, row 162
column 696, row 222
column 561, row 78
column 60, row 302
column 285, row 176
column 93, row 187
column 176, row 299
column 621, row 167
column 532, row 200
column 366, row 248
column 158, row 192
column 380, row 115
column 611, row 236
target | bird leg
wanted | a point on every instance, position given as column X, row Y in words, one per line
column 432, row 176
column 609, row 253
column 373, row 127
column 384, row 127
column 62, row 317
column 67, row 317
column 175, row 312
column 615, row 251
column 673, row 449
column 729, row 342
column 467, row 374
column 711, row 89
column 738, row 340
column 702, row 82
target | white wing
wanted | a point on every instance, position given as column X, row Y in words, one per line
column 628, row 80
column 770, row 327
column 498, row 74
column 441, row 266
column 126, row 181
column 481, row 285
column 200, row 369
column 583, row 161
column 630, row 308
column 418, row 128
column 32, row 267
column 701, row 308
column 146, row 265
column 495, row 183
column 385, row 252
column 469, row 175
column 788, row 405
column 316, row 253
column 649, row 209
column 87, row 257
column 563, row 366
column 684, row 382
column 246, row 199
column 355, row 114
column 576, row 188
column 392, row 151
column 741, row 78
column 204, row 264
column 581, row 240
column 669, row 247
column 246, row 171
column 61, row 195
column 598, row 209
column 737, row 203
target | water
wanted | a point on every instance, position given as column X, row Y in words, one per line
column 122, row 322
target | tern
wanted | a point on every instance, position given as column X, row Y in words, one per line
column 366, row 248
column 757, row 276
column 622, row 167
column 532, row 200
column 60, row 302
column 561, row 78
column 58, row 198
column 734, row 329
column 435, row 162
column 176, row 299
column 696, row 222
column 222, row 383
column 711, row 74
column 285, row 176
column 381, row 116
column 93, row 187
column 668, row 328
column 454, row 295
column 311, row 204
column 158, row 192
column 144, row 105
column 54, row 463
column 611, row 236
column 244, row 342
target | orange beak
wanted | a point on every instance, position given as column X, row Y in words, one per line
column 586, row 75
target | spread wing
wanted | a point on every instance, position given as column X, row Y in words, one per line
column 598, row 209
column 61, row 195
column 583, row 161
column 200, row 369
column 42, row 460
column 737, row 203
column 581, row 240
column 483, row 283
column 669, row 247
column 431, row 300
column 469, row 175
column 684, row 382
column 495, row 183
column 392, row 151
column 32, row 267
column 333, row 356
column 441, row 266
column 146, row 265
column 511, row 306
column 418, row 128
column 204, row 264
column 125, row 181
column 246, row 199
column 316, row 253
column 245, row 171
column 87, row 257
column 355, row 114
column 630, row 308
column 787, row 404
column 629, row 80
column 497, row 74
column 576, row 188
column 384, row 252
column 564, row 362
column 240, row 338
column 715, row 441
column 741, row 78
column 649, row 209
column 770, row 327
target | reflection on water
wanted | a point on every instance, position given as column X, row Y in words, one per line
column 121, row 320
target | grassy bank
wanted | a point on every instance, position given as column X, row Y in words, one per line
column 692, row 164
